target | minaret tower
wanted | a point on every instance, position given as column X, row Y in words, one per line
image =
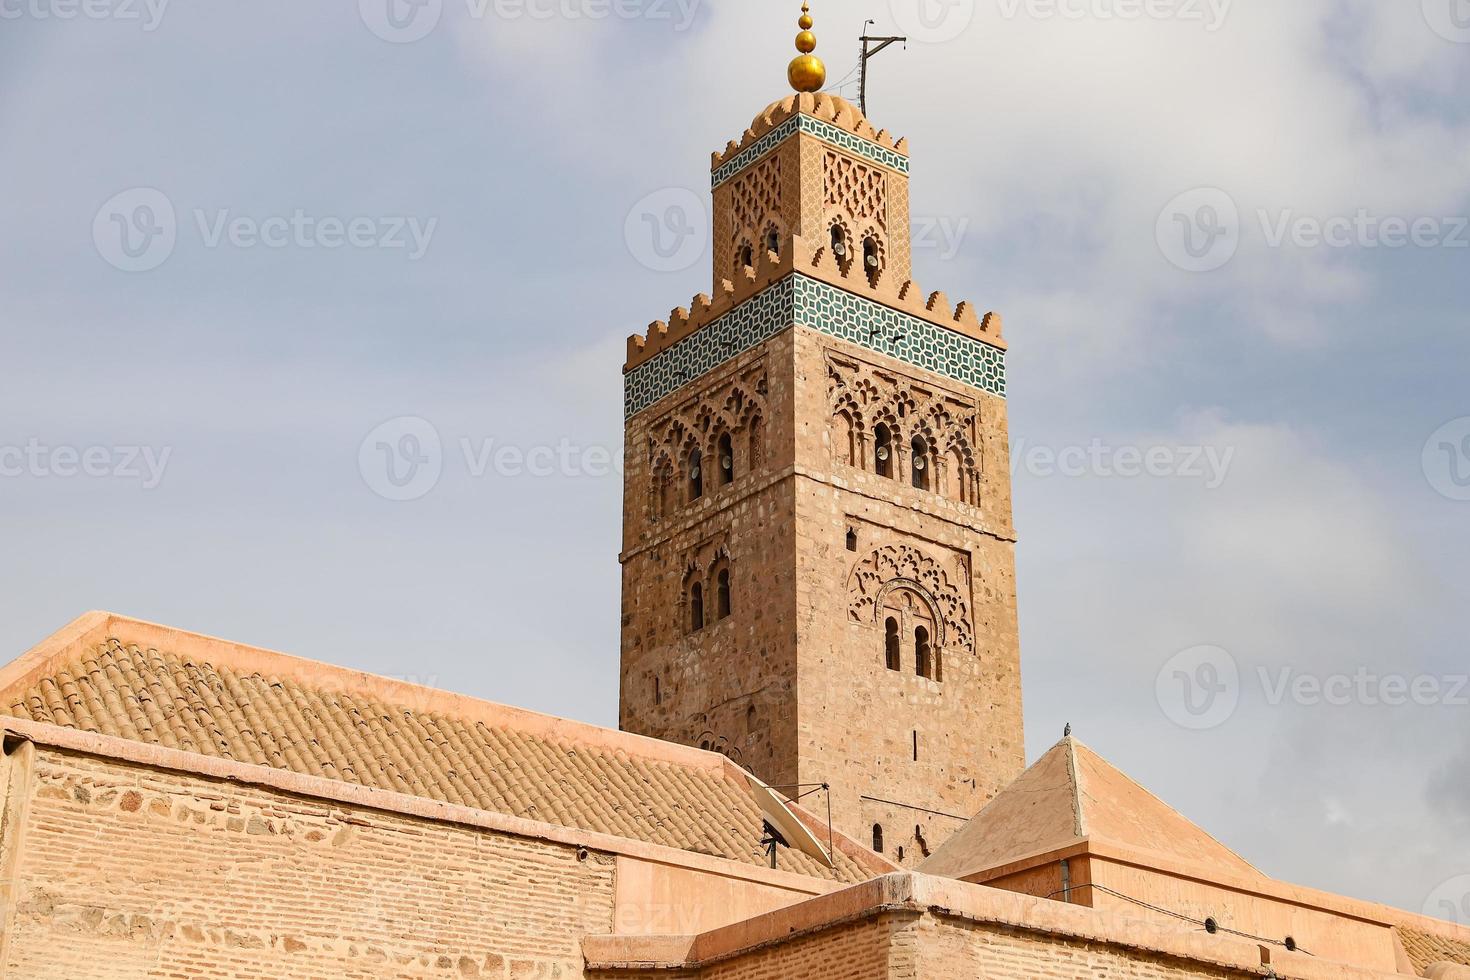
column 818, row 555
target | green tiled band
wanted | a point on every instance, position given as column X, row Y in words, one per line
column 823, row 307
column 822, row 130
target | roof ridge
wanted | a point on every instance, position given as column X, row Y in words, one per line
column 1151, row 795
column 1075, row 773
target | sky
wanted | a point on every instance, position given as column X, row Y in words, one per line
column 312, row 319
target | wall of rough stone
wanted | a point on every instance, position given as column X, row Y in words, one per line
column 127, row 871
column 794, row 685
column 730, row 686
column 859, row 720
column 954, row 949
column 852, row 951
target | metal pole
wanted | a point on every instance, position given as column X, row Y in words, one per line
column 881, row 42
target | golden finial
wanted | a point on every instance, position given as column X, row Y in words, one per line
column 806, row 73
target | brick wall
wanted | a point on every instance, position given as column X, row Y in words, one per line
column 128, row 872
column 855, row 951
column 953, row 949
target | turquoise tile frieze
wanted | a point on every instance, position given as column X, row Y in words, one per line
column 822, row 130
column 823, row 307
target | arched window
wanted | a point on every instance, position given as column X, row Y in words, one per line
column 883, row 450
column 750, row 718
column 891, row 651
column 923, row 655
column 663, row 484
column 722, row 594
column 920, row 463
column 696, row 476
column 872, row 264
column 773, row 241
column 841, row 251
column 696, row 607
column 878, row 837
column 956, row 475
column 852, row 540
column 727, row 460
column 746, row 258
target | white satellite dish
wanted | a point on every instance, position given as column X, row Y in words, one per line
column 787, row 826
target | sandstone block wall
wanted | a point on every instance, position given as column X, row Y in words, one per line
column 125, row 871
column 730, row 686
column 862, row 725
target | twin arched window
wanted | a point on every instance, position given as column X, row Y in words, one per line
column 702, row 611
column 919, row 462
column 908, row 616
column 696, row 476
column 696, row 607
column 726, row 449
column 883, row 450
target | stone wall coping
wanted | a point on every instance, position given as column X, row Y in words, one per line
column 1262, row 886
column 922, row 894
column 68, row 740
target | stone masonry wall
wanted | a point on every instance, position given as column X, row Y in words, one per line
column 730, row 686
column 126, row 871
column 861, row 724
column 953, row 949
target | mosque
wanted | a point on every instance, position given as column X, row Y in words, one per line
column 820, row 770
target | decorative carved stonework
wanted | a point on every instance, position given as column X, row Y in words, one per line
column 860, row 397
column 736, row 409
column 903, row 567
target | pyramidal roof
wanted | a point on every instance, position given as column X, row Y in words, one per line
column 1071, row 795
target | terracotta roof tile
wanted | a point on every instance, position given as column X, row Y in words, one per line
column 345, row 733
column 1426, row 949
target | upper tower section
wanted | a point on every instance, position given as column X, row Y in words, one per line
column 811, row 167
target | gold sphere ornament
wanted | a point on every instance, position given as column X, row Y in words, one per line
column 807, row 73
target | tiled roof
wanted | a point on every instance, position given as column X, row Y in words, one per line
column 330, row 722
column 1425, row 949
